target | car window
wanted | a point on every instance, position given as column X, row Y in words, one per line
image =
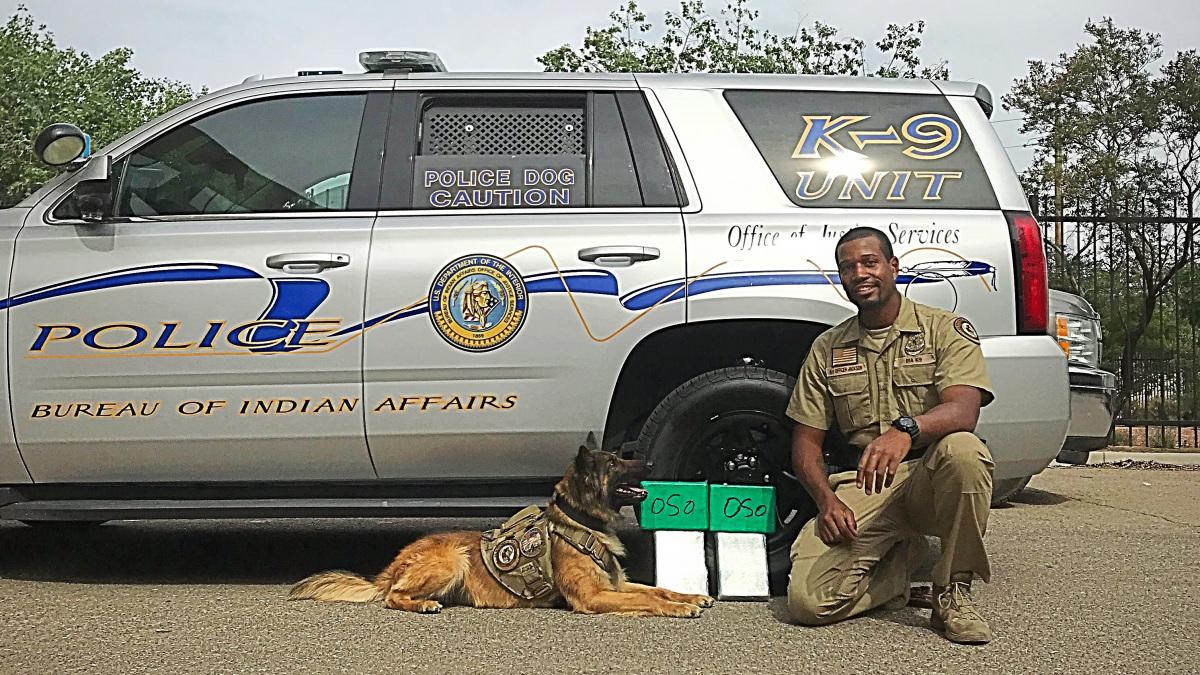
column 501, row 151
column 844, row 149
column 498, row 150
column 272, row 156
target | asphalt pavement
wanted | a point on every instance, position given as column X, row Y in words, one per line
column 1095, row 571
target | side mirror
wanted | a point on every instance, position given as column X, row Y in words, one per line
column 92, row 199
column 60, row 144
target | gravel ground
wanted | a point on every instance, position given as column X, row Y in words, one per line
column 1148, row 465
column 1094, row 571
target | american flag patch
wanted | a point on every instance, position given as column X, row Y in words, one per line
column 846, row 356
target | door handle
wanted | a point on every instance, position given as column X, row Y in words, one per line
column 307, row 263
column 618, row 256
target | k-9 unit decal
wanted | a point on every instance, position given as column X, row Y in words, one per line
column 923, row 137
column 926, row 136
column 841, row 149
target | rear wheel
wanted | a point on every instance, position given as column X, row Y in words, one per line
column 728, row 426
column 1073, row 456
column 1004, row 490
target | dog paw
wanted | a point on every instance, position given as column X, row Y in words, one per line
column 429, row 607
column 683, row 610
column 698, row 600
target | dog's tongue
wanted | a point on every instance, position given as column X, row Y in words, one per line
column 631, row 494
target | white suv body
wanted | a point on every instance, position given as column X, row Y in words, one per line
column 381, row 289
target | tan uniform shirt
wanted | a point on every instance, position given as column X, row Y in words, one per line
column 864, row 384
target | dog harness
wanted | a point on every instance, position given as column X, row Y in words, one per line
column 584, row 539
column 517, row 554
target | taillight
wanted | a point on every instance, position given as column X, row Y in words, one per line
column 1032, row 284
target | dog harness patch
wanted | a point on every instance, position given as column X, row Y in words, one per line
column 506, row 556
column 516, row 554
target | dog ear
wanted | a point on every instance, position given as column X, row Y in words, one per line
column 583, row 466
column 590, row 443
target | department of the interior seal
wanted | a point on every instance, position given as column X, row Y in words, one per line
column 477, row 303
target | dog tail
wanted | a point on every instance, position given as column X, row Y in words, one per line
column 336, row 586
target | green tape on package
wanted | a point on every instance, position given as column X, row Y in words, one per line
column 671, row 505
column 741, row 508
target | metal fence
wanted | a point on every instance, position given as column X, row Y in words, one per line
column 1094, row 256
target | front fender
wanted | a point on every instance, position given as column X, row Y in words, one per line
column 12, row 467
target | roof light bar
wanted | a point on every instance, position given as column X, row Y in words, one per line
column 410, row 60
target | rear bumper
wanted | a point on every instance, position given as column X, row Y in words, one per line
column 1091, row 409
column 1026, row 425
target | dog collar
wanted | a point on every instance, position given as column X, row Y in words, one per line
column 589, row 521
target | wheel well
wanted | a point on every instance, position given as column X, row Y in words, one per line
column 666, row 359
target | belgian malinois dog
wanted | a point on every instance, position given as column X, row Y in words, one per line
column 584, row 573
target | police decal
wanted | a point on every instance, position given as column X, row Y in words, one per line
column 478, row 302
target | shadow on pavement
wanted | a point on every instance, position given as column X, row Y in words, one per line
column 221, row 551
column 203, row 552
column 1036, row 497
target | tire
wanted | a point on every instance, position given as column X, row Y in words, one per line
column 1078, row 457
column 695, row 431
column 1003, row 490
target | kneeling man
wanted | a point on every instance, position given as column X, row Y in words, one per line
column 904, row 383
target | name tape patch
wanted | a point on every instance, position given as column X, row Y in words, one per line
column 919, row 360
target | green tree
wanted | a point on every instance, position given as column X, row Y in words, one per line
column 696, row 41
column 41, row 83
column 1120, row 142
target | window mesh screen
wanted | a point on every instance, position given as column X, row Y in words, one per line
column 502, row 131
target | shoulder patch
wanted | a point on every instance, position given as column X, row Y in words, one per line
column 965, row 329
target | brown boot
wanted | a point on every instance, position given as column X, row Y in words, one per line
column 954, row 614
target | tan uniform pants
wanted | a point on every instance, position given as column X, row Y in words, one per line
column 945, row 494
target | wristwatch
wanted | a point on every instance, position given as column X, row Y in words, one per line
column 908, row 425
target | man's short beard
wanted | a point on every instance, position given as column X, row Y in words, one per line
column 879, row 300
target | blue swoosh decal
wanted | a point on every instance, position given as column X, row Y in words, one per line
column 597, row 282
column 296, row 299
column 669, row 291
column 603, row 283
column 293, row 299
column 153, row 274
column 383, row 318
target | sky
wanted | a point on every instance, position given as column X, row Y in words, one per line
column 216, row 43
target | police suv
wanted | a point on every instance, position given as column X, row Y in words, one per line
column 416, row 292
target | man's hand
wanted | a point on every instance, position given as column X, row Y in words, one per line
column 881, row 459
column 836, row 524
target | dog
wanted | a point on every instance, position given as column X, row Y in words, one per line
column 573, row 535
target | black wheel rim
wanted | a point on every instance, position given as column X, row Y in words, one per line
column 757, row 433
